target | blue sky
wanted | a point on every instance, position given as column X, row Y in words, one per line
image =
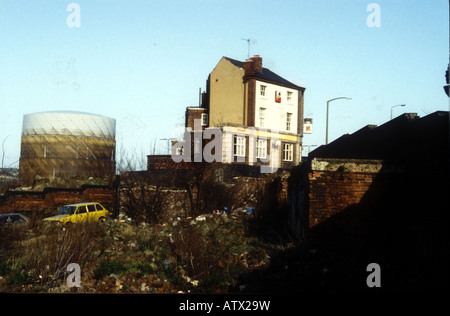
column 143, row 62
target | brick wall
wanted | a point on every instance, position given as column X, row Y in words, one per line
column 338, row 184
column 334, row 185
column 362, row 211
column 193, row 114
column 324, row 187
column 50, row 200
column 165, row 162
column 251, row 105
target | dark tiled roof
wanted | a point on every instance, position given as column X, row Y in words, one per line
column 405, row 138
column 266, row 75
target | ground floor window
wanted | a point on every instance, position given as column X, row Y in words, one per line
column 261, row 149
column 288, row 152
column 239, row 146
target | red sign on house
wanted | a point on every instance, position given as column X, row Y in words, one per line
column 277, row 96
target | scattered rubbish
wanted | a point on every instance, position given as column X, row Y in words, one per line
column 250, row 210
column 166, row 263
column 194, row 282
column 200, row 218
column 243, row 287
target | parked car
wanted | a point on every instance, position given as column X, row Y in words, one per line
column 80, row 212
column 13, row 218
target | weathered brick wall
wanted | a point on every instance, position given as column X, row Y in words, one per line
column 50, row 199
column 165, row 162
column 324, row 187
column 193, row 114
column 335, row 185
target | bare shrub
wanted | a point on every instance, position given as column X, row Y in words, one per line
column 207, row 252
column 48, row 255
column 139, row 199
column 207, row 193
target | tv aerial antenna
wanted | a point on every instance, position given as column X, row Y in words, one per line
column 248, row 43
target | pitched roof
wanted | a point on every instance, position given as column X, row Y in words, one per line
column 401, row 139
column 266, row 75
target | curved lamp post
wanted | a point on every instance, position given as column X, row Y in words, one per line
column 328, row 102
column 395, row 106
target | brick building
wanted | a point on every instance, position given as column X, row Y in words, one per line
column 259, row 114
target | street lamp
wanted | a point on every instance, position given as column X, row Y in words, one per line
column 328, row 102
column 395, row 106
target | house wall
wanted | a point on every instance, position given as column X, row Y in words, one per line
column 226, row 100
column 275, row 142
column 193, row 114
column 275, row 113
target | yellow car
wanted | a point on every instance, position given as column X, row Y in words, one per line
column 80, row 212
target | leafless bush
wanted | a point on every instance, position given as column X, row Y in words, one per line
column 139, row 199
column 48, row 255
column 207, row 193
column 207, row 251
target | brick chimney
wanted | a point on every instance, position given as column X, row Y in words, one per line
column 257, row 61
column 253, row 65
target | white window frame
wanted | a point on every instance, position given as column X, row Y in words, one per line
column 288, row 154
column 262, row 90
column 262, row 116
column 288, row 121
column 289, row 96
column 261, row 149
column 239, row 146
column 204, row 119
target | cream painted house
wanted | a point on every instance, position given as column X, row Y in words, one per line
column 259, row 113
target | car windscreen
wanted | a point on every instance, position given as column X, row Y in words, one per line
column 69, row 210
column 10, row 219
